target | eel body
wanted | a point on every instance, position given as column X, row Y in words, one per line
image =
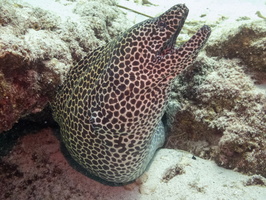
column 110, row 106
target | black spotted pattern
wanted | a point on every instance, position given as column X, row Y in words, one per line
column 110, row 105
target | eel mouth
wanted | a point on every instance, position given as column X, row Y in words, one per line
column 169, row 45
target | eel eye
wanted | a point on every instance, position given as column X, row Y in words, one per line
column 162, row 25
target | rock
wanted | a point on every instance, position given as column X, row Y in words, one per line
column 216, row 111
column 245, row 40
column 38, row 47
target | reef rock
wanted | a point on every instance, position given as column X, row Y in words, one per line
column 247, row 42
column 39, row 46
column 220, row 113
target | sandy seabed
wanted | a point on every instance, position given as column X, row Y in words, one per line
column 36, row 169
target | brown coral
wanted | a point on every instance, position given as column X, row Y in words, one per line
column 246, row 42
column 222, row 116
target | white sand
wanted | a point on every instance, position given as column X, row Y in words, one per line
column 201, row 179
column 214, row 9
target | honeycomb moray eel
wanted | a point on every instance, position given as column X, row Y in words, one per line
column 111, row 103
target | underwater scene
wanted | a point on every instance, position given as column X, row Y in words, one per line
column 132, row 99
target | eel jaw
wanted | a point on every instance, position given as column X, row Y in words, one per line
column 169, row 45
column 194, row 44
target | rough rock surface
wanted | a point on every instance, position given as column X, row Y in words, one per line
column 38, row 46
column 216, row 110
column 247, row 41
